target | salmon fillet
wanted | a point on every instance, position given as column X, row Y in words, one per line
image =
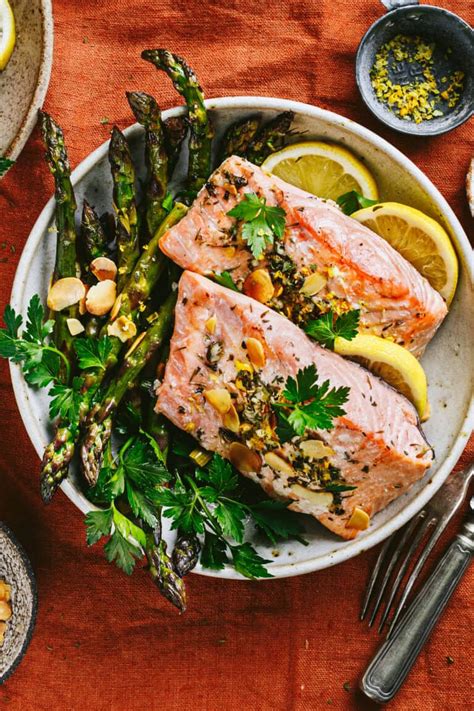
column 361, row 270
column 376, row 446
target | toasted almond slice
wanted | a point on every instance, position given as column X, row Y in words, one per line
column 322, row 499
column 116, row 307
column 231, row 420
column 211, row 324
column 359, row 519
column 135, row 344
column 313, row 283
column 220, row 399
column 315, row 449
column 255, row 352
column 65, row 292
column 74, row 326
column 104, row 268
column 241, row 365
column 5, row 610
column 122, row 328
column 258, row 285
column 244, row 459
column 279, row 464
column 101, row 297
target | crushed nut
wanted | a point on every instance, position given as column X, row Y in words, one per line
column 65, row 292
column 103, row 268
column 101, row 297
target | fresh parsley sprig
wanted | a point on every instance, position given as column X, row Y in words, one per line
column 330, row 326
column 5, row 164
column 307, row 405
column 225, row 279
column 261, row 223
column 352, row 201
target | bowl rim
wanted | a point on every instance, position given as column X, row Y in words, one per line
column 42, row 83
column 256, row 103
column 406, row 128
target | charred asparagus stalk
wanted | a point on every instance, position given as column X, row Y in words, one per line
column 66, row 259
column 239, row 137
column 99, row 420
column 202, row 133
column 270, row 138
column 185, row 553
column 149, row 268
column 169, row 583
column 93, row 244
column 175, row 129
column 148, row 114
column 123, row 174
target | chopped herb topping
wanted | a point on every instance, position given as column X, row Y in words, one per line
column 352, row 201
column 329, row 327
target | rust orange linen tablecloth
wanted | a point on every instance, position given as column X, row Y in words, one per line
column 105, row 641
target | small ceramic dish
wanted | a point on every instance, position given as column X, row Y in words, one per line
column 16, row 571
column 449, row 360
column 24, row 82
column 434, row 24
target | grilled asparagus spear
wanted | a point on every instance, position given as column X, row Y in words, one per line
column 148, row 114
column 201, row 131
column 92, row 244
column 100, row 417
column 162, row 572
column 239, row 136
column 270, row 138
column 123, row 174
column 175, row 129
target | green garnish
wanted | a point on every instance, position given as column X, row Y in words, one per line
column 307, row 405
column 329, row 327
column 261, row 224
column 225, row 279
column 352, row 201
column 167, row 202
column 92, row 352
column 5, row 164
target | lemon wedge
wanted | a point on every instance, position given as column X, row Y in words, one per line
column 392, row 363
column 419, row 238
column 7, row 33
column 323, row 169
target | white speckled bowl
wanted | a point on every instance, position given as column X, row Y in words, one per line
column 24, row 82
column 449, row 360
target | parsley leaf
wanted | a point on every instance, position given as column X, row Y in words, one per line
column 93, row 352
column 247, row 562
column 110, row 484
column 352, row 201
column 225, row 279
column 308, row 405
column 5, row 164
column 261, row 224
column 98, row 524
column 213, row 554
column 231, row 515
column 220, row 473
column 275, row 520
column 66, row 400
column 142, row 466
column 329, row 327
column 141, row 506
column 119, row 550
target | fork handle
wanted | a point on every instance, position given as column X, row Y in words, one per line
column 393, row 661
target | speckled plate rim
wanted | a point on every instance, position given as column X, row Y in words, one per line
column 34, row 592
column 256, row 103
column 44, row 75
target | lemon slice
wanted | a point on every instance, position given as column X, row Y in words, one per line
column 7, row 33
column 392, row 363
column 419, row 238
column 323, row 169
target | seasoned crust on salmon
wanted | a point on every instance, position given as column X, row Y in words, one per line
column 377, row 446
column 360, row 269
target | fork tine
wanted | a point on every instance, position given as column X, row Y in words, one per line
column 430, row 544
column 373, row 577
column 395, row 556
column 403, row 567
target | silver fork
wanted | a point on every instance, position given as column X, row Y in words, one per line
column 402, row 547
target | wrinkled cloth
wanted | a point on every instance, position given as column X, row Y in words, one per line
column 103, row 640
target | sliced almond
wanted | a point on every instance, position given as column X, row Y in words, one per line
column 255, row 352
column 220, row 399
column 5, row 610
column 315, row 449
column 312, row 284
column 65, row 292
column 258, row 285
column 135, row 344
column 103, row 268
column 101, row 297
column 122, row 328
column 116, row 307
column 279, row 464
column 244, row 459
column 321, row 499
column 74, row 326
column 241, row 365
column 211, row 324
column 231, row 420
column 359, row 519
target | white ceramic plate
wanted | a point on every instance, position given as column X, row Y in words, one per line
column 449, row 360
column 24, row 81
